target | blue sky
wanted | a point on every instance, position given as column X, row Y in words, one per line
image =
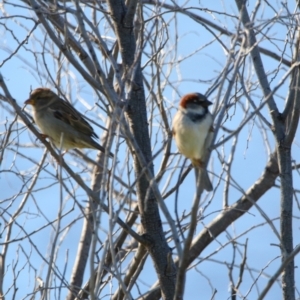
column 197, row 61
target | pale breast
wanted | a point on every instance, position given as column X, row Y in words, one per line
column 191, row 135
column 53, row 128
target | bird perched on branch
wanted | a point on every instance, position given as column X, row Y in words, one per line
column 55, row 116
column 193, row 132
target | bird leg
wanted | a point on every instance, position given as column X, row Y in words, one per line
column 43, row 136
column 198, row 163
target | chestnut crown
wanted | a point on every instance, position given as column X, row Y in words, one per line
column 194, row 99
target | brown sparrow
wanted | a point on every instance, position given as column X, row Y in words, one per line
column 193, row 132
column 55, row 116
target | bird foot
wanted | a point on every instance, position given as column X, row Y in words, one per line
column 43, row 136
column 198, row 163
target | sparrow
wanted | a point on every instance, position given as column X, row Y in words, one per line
column 193, row 132
column 55, row 116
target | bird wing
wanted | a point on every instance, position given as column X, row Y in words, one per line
column 65, row 112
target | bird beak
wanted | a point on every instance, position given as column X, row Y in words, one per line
column 205, row 103
column 29, row 101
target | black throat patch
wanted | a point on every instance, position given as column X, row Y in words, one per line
column 197, row 117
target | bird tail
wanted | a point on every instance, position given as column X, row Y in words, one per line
column 205, row 181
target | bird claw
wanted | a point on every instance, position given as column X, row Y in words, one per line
column 198, row 163
column 43, row 136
